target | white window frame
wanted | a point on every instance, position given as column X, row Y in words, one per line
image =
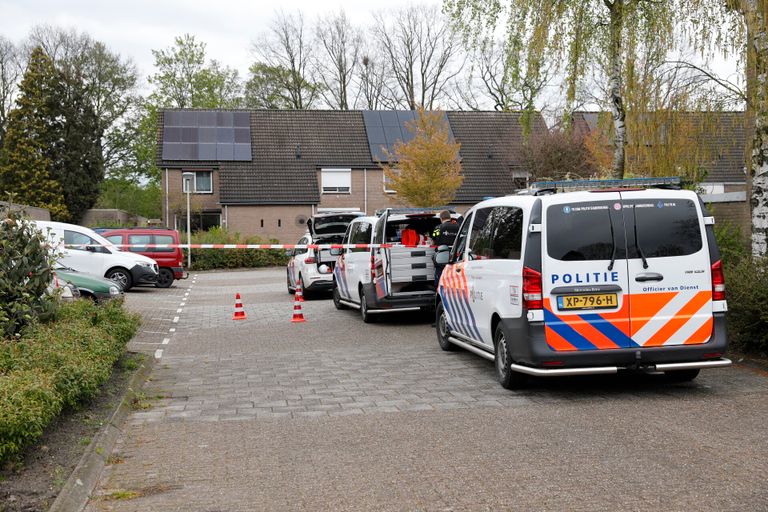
column 385, row 182
column 337, row 174
column 194, row 183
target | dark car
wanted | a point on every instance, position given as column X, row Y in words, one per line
column 170, row 260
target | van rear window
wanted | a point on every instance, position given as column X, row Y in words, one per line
column 582, row 231
column 664, row 227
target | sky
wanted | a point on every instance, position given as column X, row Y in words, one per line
column 134, row 28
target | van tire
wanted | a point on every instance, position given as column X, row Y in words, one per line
column 164, row 278
column 367, row 317
column 121, row 276
column 508, row 378
column 337, row 298
column 441, row 326
column 681, row 375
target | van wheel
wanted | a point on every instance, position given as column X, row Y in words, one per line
column 508, row 378
column 121, row 277
column 291, row 291
column 337, row 297
column 364, row 313
column 681, row 375
column 441, row 324
column 164, row 278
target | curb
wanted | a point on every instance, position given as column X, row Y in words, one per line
column 75, row 493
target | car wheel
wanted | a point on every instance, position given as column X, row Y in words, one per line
column 508, row 378
column 682, row 375
column 288, row 282
column 304, row 292
column 164, row 278
column 441, row 324
column 364, row 313
column 121, row 277
column 337, row 298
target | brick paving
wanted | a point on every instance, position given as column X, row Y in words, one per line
column 333, row 413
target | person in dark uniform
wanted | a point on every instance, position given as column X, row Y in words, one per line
column 444, row 234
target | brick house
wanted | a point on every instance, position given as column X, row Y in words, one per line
column 264, row 172
column 722, row 137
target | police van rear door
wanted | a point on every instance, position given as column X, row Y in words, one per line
column 585, row 280
column 669, row 268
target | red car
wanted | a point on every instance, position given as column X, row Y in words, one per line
column 169, row 260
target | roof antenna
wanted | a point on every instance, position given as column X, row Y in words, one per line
column 298, row 151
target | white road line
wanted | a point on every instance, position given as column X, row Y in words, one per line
column 178, row 310
column 183, row 304
column 158, row 353
column 172, row 329
column 175, row 319
column 166, row 341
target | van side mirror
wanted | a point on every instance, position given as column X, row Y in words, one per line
column 90, row 248
column 442, row 255
column 336, row 251
column 289, row 252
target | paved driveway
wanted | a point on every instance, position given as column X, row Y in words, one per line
column 335, row 414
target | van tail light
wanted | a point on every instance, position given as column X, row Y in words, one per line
column 718, row 281
column 532, row 289
column 373, row 268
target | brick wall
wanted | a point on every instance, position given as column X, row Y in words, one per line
column 736, row 213
column 371, row 180
column 269, row 221
column 177, row 200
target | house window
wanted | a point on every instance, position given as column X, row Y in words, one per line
column 199, row 221
column 336, row 181
column 388, row 183
column 202, row 184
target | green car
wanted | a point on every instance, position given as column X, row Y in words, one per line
column 94, row 288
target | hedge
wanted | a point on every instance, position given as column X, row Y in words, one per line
column 209, row 259
column 56, row 365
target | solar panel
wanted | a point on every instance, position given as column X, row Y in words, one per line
column 385, row 128
column 206, row 135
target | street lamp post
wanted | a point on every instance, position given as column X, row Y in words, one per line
column 188, row 178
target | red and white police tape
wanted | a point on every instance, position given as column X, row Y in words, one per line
column 247, row 246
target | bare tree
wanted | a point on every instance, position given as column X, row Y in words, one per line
column 494, row 80
column 287, row 46
column 10, row 71
column 422, row 49
column 339, row 44
column 110, row 80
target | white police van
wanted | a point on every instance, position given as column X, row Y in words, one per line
column 397, row 277
column 587, row 282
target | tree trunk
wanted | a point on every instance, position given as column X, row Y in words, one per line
column 614, row 82
column 759, row 198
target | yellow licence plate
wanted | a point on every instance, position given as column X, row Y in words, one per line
column 592, row 301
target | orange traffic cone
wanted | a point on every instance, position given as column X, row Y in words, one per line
column 299, row 294
column 298, row 315
column 239, row 312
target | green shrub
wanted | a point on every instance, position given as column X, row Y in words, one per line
column 25, row 273
column 58, row 364
column 747, row 293
column 207, row 259
column 732, row 243
column 28, row 402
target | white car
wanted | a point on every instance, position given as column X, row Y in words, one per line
column 88, row 252
column 586, row 282
column 314, row 268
